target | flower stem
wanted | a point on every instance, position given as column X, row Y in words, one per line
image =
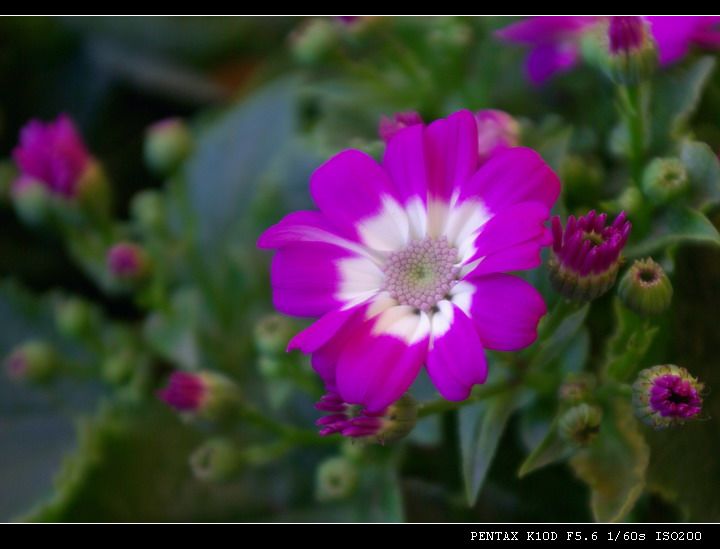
column 632, row 110
column 441, row 405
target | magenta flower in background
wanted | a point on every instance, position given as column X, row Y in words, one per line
column 555, row 40
column 388, row 127
column 405, row 262
column 497, row 130
column 185, row 391
column 52, row 154
column 126, row 260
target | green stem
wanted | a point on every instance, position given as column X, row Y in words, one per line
column 481, row 393
column 292, row 435
column 632, row 110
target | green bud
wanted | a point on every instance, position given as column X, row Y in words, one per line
column 168, row 144
column 270, row 366
column 148, row 209
column 399, row 420
column 631, row 201
column 577, row 388
column 34, row 361
column 119, row 368
column 217, row 459
column 93, row 191
column 645, row 288
column 33, row 203
column 272, row 334
column 314, row 41
column 73, row 317
column 665, row 179
column 581, row 424
column 336, row 478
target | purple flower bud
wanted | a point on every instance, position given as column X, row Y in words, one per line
column 127, row 261
column 390, row 126
column 352, row 421
column 206, row 394
column 497, row 130
column 52, row 154
column 33, row 361
column 667, row 395
column 586, row 255
column 167, row 145
column 626, row 34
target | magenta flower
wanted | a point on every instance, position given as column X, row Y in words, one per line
column 52, row 154
column 405, row 262
column 667, row 395
column 555, row 40
column 388, row 127
column 497, row 130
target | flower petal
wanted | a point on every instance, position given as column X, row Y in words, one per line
column 512, row 176
column 673, row 35
column 452, row 153
column 506, row 311
column 356, row 195
column 456, row 360
column 382, row 358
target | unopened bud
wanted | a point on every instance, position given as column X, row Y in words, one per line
column 217, row 459
column 34, row 361
column 127, row 261
column 168, row 143
column 336, row 478
column 577, row 388
column 665, row 179
column 204, row 394
column 581, row 424
column 73, row 317
column 645, row 288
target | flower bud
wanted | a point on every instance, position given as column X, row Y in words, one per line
column 203, row 394
column 632, row 50
column 272, row 334
column 93, row 190
column 167, row 145
column 586, row 256
column 665, row 179
column 389, row 425
column 34, row 361
column 336, row 478
column 390, row 126
column 314, row 41
column 148, row 210
column 666, row 396
column 645, row 288
column 127, row 261
column 497, row 130
column 577, row 388
column 33, row 202
column 216, row 460
column 581, row 424
column 73, row 317
column 118, row 368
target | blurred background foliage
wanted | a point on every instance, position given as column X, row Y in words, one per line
column 268, row 99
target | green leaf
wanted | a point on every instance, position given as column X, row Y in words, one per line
column 614, row 465
column 683, row 225
column 552, row 448
column 233, row 155
column 558, row 332
column 703, row 169
column 629, row 343
column 172, row 332
column 480, row 427
column 677, row 96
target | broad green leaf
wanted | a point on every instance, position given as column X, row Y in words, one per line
column 629, row 343
column 552, row 448
column 481, row 426
column 557, row 332
column 676, row 97
column 614, row 464
column 683, row 225
column 703, row 169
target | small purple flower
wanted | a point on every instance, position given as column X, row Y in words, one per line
column 126, row 260
column 406, row 262
column 587, row 254
column 185, row 392
column 387, row 425
column 390, row 126
column 52, row 154
column 555, row 40
column 497, row 130
column 667, row 395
